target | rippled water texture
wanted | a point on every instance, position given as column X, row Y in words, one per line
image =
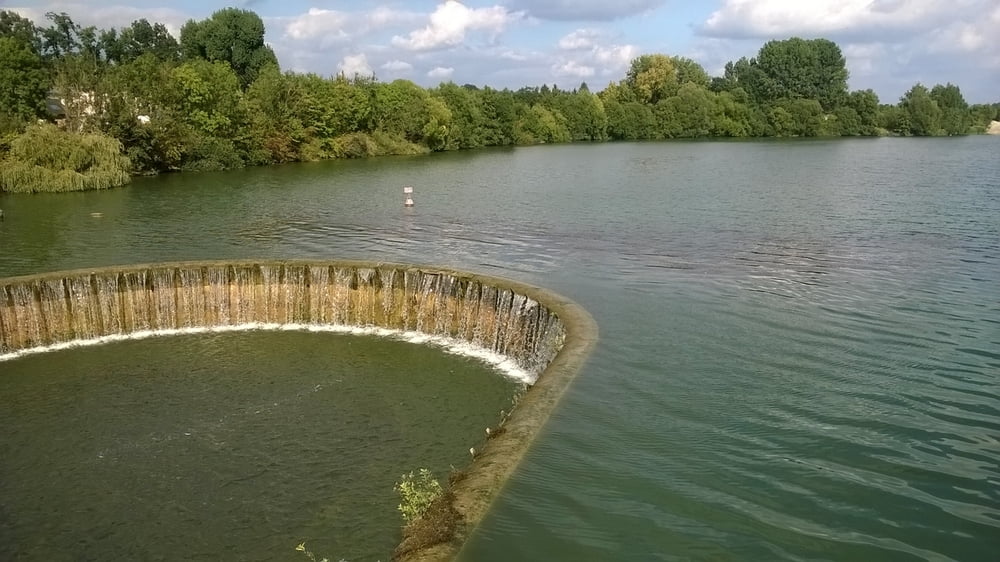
column 800, row 353
column 228, row 446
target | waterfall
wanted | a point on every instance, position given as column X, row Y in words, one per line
column 60, row 308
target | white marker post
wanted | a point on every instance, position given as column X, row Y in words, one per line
column 408, row 194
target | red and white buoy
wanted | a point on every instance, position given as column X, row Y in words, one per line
column 408, row 195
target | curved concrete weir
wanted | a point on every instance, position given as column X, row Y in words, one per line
column 546, row 336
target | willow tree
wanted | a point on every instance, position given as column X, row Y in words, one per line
column 46, row 158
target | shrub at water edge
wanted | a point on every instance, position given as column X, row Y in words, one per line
column 417, row 491
column 46, row 158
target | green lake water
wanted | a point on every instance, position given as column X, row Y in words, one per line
column 799, row 359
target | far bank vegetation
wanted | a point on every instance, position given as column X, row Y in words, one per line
column 139, row 101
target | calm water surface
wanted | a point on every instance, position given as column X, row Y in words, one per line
column 228, row 446
column 800, row 353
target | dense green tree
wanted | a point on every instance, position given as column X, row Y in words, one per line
column 733, row 118
column 652, row 78
column 780, row 123
column 541, row 125
column 334, row 107
column 75, row 61
column 689, row 114
column 847, row 121
column 744, row 75
column 23, row 81
column 111, row 48
column 138, row 39
column 800, row 68
column 690, row 72
column 530, row 95
column 500, row 113
column 75, row 80
column 615, row 112
column 955, row 117
column 14, row 26
column 211, row 104
column 982, row 114
column 140, row 108
column 405, row 109
column 145, row 84
column 401, row 109
column 62, row 37
column 796, row 118
column 923, row 113
column 437, row 130
column 893, row 119
column 469, row 123
column 630, row 120
column 866, row 107
column 617, row 91
column 209, row 96
column 584, row 112
column 233, row 36
column 807, row 114
column 275, row 102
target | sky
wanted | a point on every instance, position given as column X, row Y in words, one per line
column 889, row 44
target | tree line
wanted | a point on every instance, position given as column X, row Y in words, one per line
column 83, row 108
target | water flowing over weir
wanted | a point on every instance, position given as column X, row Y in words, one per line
column 545, row 335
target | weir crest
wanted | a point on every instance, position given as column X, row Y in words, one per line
column 527, row 331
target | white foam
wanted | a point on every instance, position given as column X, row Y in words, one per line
column 505, row 365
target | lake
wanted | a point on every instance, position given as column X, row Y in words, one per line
column 800, row 340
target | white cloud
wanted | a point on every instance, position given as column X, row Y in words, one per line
column 587, row 52
column 318, row 23
column 779, row 18
column 573, row 69
column 355, row 65
column 583, row 57
column 513, row 55
column 862, row 57
column 451, row 21
column 584, row 10
column 441, row 72
column 383, row 17
column 579, row 39
column 332, row 25
column 967, row 37
column 616, row 56
column 397, row 66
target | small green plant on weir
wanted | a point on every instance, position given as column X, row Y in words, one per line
column 417, row 490
column 309, row 554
